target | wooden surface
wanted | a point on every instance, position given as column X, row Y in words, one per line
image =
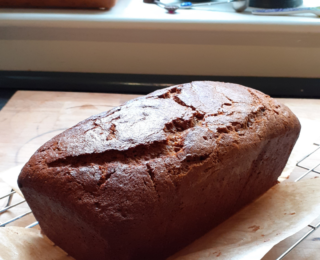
column 31, row 118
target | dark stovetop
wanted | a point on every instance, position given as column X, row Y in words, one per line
column 11, row 81
column 5, row 95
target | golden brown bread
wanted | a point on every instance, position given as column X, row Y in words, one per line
column 58, row 3
column 145, row 179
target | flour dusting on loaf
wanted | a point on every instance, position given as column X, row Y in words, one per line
column 145, row 179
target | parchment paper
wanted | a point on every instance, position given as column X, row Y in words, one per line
column 10, row 177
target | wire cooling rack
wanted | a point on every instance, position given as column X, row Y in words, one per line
column 307, row 171
column 299, row 164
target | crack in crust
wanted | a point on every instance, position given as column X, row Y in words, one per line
column 112, row 133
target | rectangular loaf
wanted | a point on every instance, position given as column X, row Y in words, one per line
column 58, row 3
column 145, row 179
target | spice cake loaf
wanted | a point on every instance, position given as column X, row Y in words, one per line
column 145, row 179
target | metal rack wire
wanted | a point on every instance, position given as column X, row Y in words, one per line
column 312, row 228
column 8, row 206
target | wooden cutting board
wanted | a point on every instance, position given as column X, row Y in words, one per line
column 30, row 118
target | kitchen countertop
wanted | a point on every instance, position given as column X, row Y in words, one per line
column 30, row 118
column 134, row 37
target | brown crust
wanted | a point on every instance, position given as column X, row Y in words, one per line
column 58, row 3
column 145, row 179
